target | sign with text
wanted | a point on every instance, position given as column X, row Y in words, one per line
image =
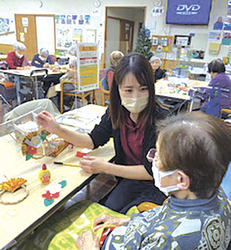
column 188, row 11
column 88, row 66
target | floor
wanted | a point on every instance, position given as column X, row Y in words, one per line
column 96, row 190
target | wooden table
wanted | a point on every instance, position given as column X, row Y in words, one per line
column 16, row 221
column 164, row 90
column 27, row 73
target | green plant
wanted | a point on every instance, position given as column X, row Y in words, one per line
column 144, row 43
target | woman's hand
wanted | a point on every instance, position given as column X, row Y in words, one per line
column 106, row 219
column 93, row 165
column 87, row 241
column 48, row 122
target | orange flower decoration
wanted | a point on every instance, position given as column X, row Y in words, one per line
column 31, row 142
column 12, row 184
column 31, row 150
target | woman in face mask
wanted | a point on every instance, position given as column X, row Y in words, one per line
column 43, row 59
column 130, row 120
column 16, row 58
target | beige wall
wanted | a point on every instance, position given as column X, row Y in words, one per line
column 9, row 7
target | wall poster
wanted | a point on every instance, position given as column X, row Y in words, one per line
column 88, row 66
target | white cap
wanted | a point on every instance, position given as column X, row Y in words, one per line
column 155, row 58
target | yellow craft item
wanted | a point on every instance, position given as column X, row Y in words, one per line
column 12, row 184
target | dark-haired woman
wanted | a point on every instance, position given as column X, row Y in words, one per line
column 131, row 122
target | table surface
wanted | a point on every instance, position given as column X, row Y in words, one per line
column 162, row 89
column 198, row 71
column 23, row 217
column 27, row 72
column 3, row 57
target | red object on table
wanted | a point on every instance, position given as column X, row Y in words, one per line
column 80, row 154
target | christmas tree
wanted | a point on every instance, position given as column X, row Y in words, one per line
column 144, row 43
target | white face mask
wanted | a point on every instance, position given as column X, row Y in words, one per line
column 18, row 55
column 158, row 175
column 134, row 105
column 43, row 58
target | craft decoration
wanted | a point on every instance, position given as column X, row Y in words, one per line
column 83, row 152
column 55, row 146
column 30, row 144
column 53, row 192
column 80, row 154
column 12, row 185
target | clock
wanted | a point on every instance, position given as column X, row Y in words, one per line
column 97, row 3
column 158, row 3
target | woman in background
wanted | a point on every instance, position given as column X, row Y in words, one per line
column 43, row 59
column 158, row 72
column 115, row 58
column 216, row 68
column 16, row 59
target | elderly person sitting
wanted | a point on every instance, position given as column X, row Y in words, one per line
column 43, row 59
column 220, row 79
column 72, row 57
column 16, row 58
column 158, row 72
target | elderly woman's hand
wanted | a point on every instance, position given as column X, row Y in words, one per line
column 87, row 241
column 107, row 219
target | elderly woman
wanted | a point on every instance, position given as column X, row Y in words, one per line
column 16, row 58
column 72, row 57
column 115, row 58
column 43, row 59
column 158, row 72
column 216, row 68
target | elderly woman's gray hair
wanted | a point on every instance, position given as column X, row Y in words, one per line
column 19, row 46
column 44, row 52
column 153, row 58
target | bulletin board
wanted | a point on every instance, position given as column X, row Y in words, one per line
column 72, row 29
column 88, row 66
column 162, row 43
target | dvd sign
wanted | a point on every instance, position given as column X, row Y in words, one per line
column 184, row 9
column 188, row 11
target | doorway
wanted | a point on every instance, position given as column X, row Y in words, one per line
column 121, row 29
column 31, row 30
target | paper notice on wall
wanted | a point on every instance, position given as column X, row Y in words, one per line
column 95, row 12
column 88, row 66
column 25, row 21
column 22, row 36
column 215, row 36
column 157, row 11
column 226, row 40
